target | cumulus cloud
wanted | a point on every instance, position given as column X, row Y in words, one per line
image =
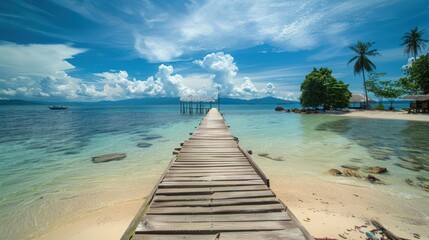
column 224, row 71
column 40, row 71
column 118, row 85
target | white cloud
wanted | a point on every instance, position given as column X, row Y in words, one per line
column 38, row 70
column 36, row 59
column 224, row 71
column 117, row 85
column 35, row 70
column 156, row 49
column 222, row 24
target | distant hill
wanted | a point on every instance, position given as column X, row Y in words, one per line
column 18, row 102
column 154, row 101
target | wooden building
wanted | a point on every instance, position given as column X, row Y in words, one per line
column 419, row 103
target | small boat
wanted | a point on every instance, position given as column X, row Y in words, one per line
column 57, row 107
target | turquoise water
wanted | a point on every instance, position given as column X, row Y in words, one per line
column 47, row 177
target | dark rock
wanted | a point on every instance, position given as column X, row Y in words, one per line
column 144, row 144
column 375, row 170
column 279, row 108
column 352, row 167
column 351, row 173
column 109, row 157
column 250, row 152
column 335, row 172
column 373, row 179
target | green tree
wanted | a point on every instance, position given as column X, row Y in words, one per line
column 362, row 62
column 414, row 42
column 384, row 88
column 392, row 92
column 417, row 76
column 376, row 86
column 338, row 95
column 321, row 88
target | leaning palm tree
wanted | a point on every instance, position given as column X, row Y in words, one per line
column 362, row 62
column 413, row 42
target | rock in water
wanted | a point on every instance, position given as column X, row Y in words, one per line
column 144, row 145
column 335, row 172
column 349, row 172
column 375, row 170
column 373, row 179
column 279, row 108
column 109, row 157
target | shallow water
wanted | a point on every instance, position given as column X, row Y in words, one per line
column 47, row 177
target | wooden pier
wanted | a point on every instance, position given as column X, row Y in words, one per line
column 212, row 189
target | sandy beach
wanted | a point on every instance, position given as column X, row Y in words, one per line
column 393, row 115
column 331, row 208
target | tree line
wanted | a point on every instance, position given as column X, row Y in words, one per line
column 320, row 88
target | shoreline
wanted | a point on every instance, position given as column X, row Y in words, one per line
column 390, row 115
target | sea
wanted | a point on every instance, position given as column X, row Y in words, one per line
column 47, row 175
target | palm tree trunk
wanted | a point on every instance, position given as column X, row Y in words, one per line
column 364, row 87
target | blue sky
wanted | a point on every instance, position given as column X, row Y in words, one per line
column 70, row 50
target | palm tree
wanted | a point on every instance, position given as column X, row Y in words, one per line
column 362, row 61
column 413, row 42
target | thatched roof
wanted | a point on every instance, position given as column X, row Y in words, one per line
column 357, row 98
column 424, row 97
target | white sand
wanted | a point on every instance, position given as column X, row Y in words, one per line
column 401, row 115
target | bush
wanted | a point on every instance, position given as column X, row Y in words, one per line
column 378, row 107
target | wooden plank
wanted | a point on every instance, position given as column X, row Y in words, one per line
column 194, row 184
column 218, row 209
column 244, row 217
column 212, row 178
column 211, row 165
column 214, row 227
column 205, row 174
column 215, row 195
column 207, row 190
column 292, row 233
column 216, row 202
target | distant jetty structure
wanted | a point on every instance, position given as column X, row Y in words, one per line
column 197, row 105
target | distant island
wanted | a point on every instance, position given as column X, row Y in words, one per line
column 158, row 100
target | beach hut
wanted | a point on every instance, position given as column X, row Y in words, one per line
column 420, row 103
column 357, row 101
